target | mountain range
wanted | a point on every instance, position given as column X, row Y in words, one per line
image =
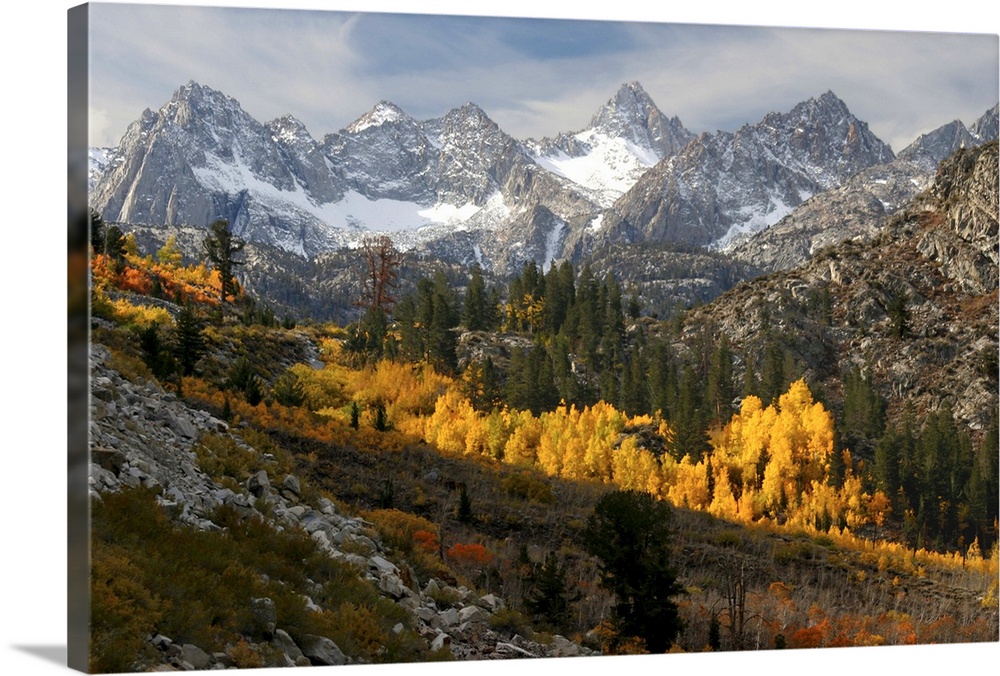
column 460, row 190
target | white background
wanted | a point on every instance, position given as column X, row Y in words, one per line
column 33, row 480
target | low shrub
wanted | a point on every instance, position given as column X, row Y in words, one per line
column 528, row 486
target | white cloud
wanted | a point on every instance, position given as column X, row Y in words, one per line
column 328, row 68
column 99, row 127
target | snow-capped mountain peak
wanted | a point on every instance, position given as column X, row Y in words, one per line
column 288, row 129
column 725, row 185
column 384, row 112
column 626, row 137
column 632, row 115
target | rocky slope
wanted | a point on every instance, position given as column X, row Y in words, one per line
column 939, row 255
column 144, row 436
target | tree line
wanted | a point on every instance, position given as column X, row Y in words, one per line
column 588, row 345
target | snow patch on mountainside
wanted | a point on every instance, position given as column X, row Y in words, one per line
column 609, row 167
column 354, row 212
column 98, row 160
column 552, row 244
column 754, row 219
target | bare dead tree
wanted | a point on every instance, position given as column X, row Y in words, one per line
column 379, row 272
column 740, row 568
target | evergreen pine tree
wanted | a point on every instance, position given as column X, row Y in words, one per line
column 663, row 385
column 243, row 377
column 221, row 248
column 689, row 420
column 630, row 533
column 189, row 339
column 547, row 597
column 464, row 510
column 475, row 313
column 288, row 390
column 721, row 390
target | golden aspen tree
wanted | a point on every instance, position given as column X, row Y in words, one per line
column 636, row 469
column 448, row 427
column 499, row 427
column 554, row 438
column 723, row 503
column 748, row 507
column 780, row 475
column 744, row 442
column 607, row 425
column 580, row 431
column 690, row 486
column 477, row 441
column 574, row 450
column 522, row 445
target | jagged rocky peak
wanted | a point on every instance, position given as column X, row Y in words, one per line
column 725, row 186
column 475, row 155
column 859, row 208
column 825, row 134
column 467, row 120
column 987, row 127
column 934, row 146
column 288, row 130
column 384, row 154
column 384, row 112
column 632, row 115
column 197, row 106
column 304, row 158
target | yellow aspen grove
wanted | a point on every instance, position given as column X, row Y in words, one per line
column 478, row 440
column 744, row 441
column 748, row 506
column 573, row 451
column 774, row 456
column 820, row 505
column 800, row 445
column 499, row 426
column 557, row 432
column 780, row 486
column 855, row 501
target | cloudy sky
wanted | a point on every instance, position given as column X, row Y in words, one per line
column 534, row 76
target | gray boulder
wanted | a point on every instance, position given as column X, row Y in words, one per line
column 321, row 651
column 259, row 485
column 195, row 656
column 265, row 617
